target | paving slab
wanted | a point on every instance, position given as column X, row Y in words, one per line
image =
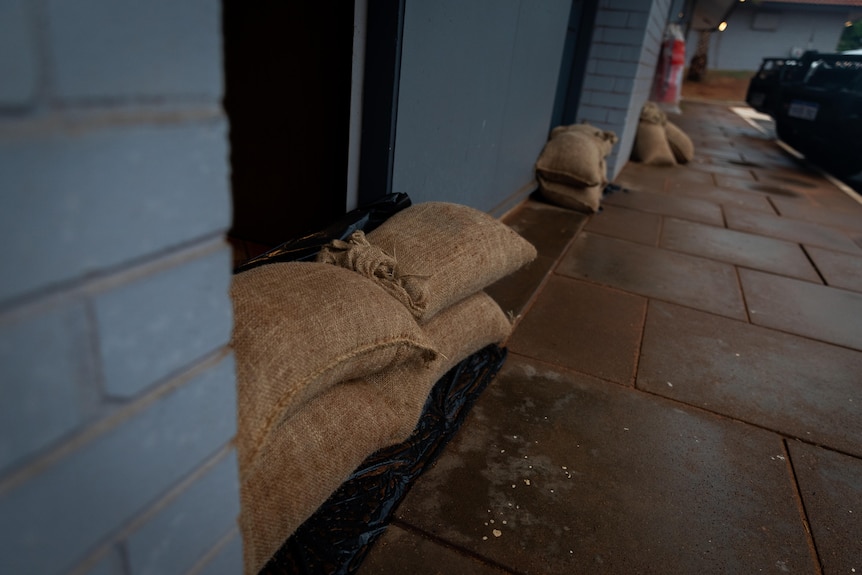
column 751, row 185
column 793, row 385
column 549, row 229
column 636, row 176
column 838, row 269
column 585, row 327
column 626, row 224
column 725, row 196
column 726, row 169
column 687, row 177
column 555, row 472
column 817, row 311
column 831, row 487
column 848, row 216
column 791, row 230
column 669, row 205
column 401, row 551
column 740, row 248
column 680, row 278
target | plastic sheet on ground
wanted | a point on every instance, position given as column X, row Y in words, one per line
column 336, row 539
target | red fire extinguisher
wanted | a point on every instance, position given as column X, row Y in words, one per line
column 667, row 87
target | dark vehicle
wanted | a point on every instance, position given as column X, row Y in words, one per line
column 816, row 102
column 763, row 90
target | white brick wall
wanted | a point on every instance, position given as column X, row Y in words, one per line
column 623, row 55
column 118, row 389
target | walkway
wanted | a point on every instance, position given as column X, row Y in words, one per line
column 683, row 392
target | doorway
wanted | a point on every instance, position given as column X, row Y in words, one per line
column 288, row 67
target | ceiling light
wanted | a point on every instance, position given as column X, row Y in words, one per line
column 722, row 26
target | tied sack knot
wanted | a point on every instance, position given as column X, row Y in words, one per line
column 359, row 255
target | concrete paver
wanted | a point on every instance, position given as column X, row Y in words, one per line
column 626, row 224
column 817, row 311
column 668, row 205
column 831, row 488
column 740, row 248
column 583, row 326
column 791, row 230
column 697, row 282
column 838, row 269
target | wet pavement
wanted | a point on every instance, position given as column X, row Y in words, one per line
column 683, row 392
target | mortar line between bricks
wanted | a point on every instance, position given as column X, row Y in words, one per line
column 803, row 512
column 454, row 547
column 72, row 442
column 692, row 406
column 213, row 552
column 53, row 118
column 122, row 533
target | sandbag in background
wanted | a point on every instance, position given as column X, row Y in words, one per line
column 658, row 141
column 572, row 167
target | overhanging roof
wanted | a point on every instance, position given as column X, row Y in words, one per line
column 708, row 14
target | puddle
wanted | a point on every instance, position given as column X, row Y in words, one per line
column 793, row 181
column 745, row 163
column 778, row 191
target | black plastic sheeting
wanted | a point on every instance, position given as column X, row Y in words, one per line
column 339, row 535
column 305, row 248
column 336, row 539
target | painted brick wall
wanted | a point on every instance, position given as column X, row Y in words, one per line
column 626, row 42
column 118, row 404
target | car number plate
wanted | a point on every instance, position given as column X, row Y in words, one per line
column 803, row 110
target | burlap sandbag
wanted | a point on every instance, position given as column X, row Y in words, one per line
column 572, row 157
column 457, row 249
column 318, row 448
column 584, row 199
column 361, row 256
column 680, row 144
column 606, row 137
column 651, row 146
column 300, row 328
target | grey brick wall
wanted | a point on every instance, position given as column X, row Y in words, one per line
column 623, row 55
column 119, row 401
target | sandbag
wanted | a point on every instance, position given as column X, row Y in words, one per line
column 302, row 327
column 680, row 144
column 572, row 157
column 651, row 146
column 605, row 137
column 584, row 199
column 457, row 249
column 313, row 452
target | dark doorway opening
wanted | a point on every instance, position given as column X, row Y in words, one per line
column 287, row 97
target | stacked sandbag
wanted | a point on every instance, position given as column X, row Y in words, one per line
column 572, row 168
column 658, row 141
column 336, row 358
